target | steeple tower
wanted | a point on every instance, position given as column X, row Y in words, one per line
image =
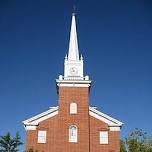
column 73, row 65
column 73, row 99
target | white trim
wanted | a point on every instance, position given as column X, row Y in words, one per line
column 73, row 85
column 31, row 124
column 74, row 81
column 104, row 117
column 114, row 124
column 30, row 127
column 45, row 117
column 114, row 128
column 34, row 121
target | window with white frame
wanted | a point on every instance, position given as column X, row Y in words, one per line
column 103, row 137
column 42, row 136
column 73, row 134
column 73, row 108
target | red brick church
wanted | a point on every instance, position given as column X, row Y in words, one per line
column 73, row 126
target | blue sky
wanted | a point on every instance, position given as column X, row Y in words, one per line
column 115, row 38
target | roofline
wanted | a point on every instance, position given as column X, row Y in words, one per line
column 53, row 111
column 105, row 116
column 36, row 117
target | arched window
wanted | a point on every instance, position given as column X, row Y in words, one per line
column 73, row 108
column 73, row 134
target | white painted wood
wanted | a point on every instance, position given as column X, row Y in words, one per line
column 73, row 53
column 103, row 137
column 115, row 129
column 30, row 127
column 104, row 117
column 42, row 136
column 73, row 65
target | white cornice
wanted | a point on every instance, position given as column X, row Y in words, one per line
column 115, row 128
column 73, row 83
column 34, row 121
column 104, row 117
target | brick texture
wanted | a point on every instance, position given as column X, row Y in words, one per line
column 57, row 127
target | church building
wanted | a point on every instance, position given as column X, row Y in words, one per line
column 73, row 126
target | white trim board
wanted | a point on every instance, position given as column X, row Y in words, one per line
column 104, row 117
column 34, row 121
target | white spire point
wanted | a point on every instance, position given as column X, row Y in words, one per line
column 73, row 53
column 81, row 58
column 66, row 57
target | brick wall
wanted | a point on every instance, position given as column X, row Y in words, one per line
column 95, row 127
column 57, row 127
column 68, row 95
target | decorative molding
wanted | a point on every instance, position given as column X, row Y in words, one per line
column 32, row 123
column 73, row 83
column 115, row 128
column 30, row 128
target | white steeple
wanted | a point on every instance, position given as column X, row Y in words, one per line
column 73, row 53
column 73, row 65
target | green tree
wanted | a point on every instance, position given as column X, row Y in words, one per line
column 137, row 141
column 10, row 144
column 122, row 146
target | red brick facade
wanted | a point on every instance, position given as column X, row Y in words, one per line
column 57, row 127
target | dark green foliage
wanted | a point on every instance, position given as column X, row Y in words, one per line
column 10, row 144
column 122, row 146
column 137, row 141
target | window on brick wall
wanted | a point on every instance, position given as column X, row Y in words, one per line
column 103, row 137
column 73, row 134
column 73, row 108
column 42, row 136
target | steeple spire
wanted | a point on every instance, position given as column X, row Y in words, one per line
column 73, row 64
column 73, row 53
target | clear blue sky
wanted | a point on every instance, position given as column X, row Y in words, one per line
column 115, row 38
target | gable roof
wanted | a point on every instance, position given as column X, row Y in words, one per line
column 53, row 111
column 112, row 122
column 41, row 117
